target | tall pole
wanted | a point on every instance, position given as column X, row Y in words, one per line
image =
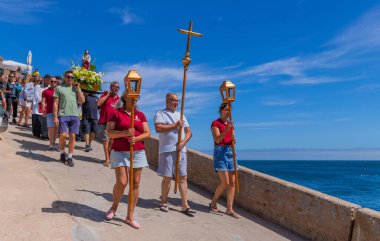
column 131, row 193
column 233, row 150
column 186, row 62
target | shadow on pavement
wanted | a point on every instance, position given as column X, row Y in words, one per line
column 27, row 134
column 34, row 146
column 86, row 158
column 77, row 210
column 36, row 156
column 142, row 202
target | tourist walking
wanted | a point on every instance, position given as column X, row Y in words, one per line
column 39, row 127
column 66, row 114
column 47, row 112
column 89, row 121
column 3, row 100
column 26, row 99
column 167, row 123
column 119, row 129
column 106, row 103
column 11, row 91
column 223, row 160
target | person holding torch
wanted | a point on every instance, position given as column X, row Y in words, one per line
column 224, row 151
column 123, row 135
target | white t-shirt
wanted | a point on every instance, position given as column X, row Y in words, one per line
column 168, row 140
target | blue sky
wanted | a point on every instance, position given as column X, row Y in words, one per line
column 307, row 72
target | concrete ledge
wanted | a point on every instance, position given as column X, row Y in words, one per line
column 311, row 214
column 367, row 225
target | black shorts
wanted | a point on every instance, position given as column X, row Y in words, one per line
column 89, row 125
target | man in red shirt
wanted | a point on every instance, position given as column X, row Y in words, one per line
column 47, row 112
column 106, row 103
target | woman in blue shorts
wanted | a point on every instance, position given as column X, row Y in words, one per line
column 119, row 129
column 223, row 160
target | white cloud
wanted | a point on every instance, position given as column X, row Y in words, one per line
column 270, row 124
column 340, row 53
column 278, row 102
column 369, row 88
column 343, row 119
column 361, row 36
column 23, row 11
column 159, row 79
column 127, row 16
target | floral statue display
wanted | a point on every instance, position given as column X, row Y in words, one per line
column 86, row 59
column 87, row 78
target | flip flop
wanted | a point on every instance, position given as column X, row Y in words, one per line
column 234, row 215
column 132, row 223
column 110, row 214
column 188, row 211
column 212, row 210
column 106, row 164
column 164, row 208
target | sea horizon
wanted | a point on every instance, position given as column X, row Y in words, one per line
column 350, row 180
column 356, row 154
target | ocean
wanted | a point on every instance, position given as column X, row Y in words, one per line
column 354, row 181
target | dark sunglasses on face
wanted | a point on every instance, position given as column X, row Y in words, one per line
column 70, row 77
column 53, row 81
column 117, row 87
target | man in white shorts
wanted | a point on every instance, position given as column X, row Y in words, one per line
column 167, row 123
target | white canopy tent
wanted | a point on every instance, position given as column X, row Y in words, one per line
column 13, row 65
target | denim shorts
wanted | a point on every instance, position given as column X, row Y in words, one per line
column 69, row 124
column 50, row 120
column 167, row 162
column 101, row 135
column 89, row 125
column 121, row 159
column 223, row 158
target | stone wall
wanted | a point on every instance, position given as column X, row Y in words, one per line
column 367, row 225
column 311, row 214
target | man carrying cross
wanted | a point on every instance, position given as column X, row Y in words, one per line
column 167, row 123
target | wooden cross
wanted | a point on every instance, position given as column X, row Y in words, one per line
column 189, row 34
column 186, row 61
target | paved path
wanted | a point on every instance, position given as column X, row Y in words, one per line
column 43, row 199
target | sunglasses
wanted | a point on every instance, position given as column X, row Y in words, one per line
column 70, row 77
column 117, row 87
column 53, row 81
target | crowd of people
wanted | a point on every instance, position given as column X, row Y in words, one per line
column 60, row 110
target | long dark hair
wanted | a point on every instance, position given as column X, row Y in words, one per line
column 221, row 107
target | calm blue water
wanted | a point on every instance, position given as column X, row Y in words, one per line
column 354, row 181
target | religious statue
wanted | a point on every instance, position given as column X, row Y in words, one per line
column 86, row 59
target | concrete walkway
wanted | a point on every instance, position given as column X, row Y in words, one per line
column 43, row 199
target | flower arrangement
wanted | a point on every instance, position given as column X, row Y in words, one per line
column 87, row 78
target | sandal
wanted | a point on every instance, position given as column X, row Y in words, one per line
column 164, row 208
column 233, row 214
column 106, row 163
column 188, row 211
column 110, row 214
column 132, row 223
column 213, row 210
